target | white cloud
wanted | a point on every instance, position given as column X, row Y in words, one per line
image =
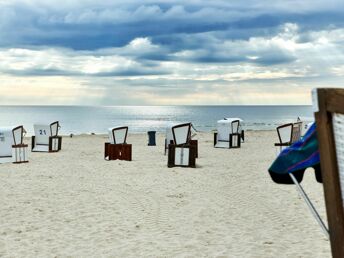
column 210, row 52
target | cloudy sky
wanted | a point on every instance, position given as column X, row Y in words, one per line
column 142, row 52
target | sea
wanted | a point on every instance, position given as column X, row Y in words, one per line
column 140, row 119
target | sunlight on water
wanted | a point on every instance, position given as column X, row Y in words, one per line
column 83, row 119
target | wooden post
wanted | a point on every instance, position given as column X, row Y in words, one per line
column 331, row 101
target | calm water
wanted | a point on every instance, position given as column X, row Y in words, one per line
column 84, row 119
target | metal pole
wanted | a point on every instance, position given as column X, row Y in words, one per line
column 310, row 206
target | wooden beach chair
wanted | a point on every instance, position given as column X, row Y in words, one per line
column 46, row 138
column 285, row 135
column 170, row 140
column 12, row 148
column 118, row 148
column 329, row 115
column 181, row 152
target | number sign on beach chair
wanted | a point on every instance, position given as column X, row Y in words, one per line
column 118, row 148
column 329, row 115
column 181, row 152
column 12, row 148
column 46, row 138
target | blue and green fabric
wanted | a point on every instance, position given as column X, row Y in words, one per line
column 297, row 158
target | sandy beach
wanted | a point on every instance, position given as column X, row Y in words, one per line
column 76, row 204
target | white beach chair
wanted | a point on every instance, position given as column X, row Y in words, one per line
column 118, row 148
column 12, row 148
column 328, row 106
column 46, row 138
column 181, row 152
column 229, row 133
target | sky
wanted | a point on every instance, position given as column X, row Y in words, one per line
column 142, row 52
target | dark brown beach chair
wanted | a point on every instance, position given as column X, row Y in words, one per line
column 182, row 152
column 118, row 148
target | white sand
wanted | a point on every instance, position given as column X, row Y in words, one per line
column 74, row 203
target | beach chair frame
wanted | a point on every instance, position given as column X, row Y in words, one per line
column 282, row 143
column 120, row 151
column 19, row 149
column 327, row 102
column 191, row 148
column 235, row 136
column 192, row 142
column 55, row 141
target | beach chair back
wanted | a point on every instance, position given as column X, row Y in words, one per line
column 118, row 135
column 235, row 125
column 297, row 129
column 328, row 105
column 18, row 135
column 285, row 133
column 223, row 130
column 42, row 134
column 181, row 133
column 54, row 128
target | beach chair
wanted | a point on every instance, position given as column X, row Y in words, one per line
column 285, row 135
column 12, row 148
column 169, row 138
column 328, row 105
column 118, row 148
column 288, row 134
column 46, row 138
column 181, row 152
column 229, row 133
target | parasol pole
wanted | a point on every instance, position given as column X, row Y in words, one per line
column 310, row 205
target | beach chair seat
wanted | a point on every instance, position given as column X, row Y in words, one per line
column 181, row 153
column 12, row 148
column 117, row 147
column 46, row 138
